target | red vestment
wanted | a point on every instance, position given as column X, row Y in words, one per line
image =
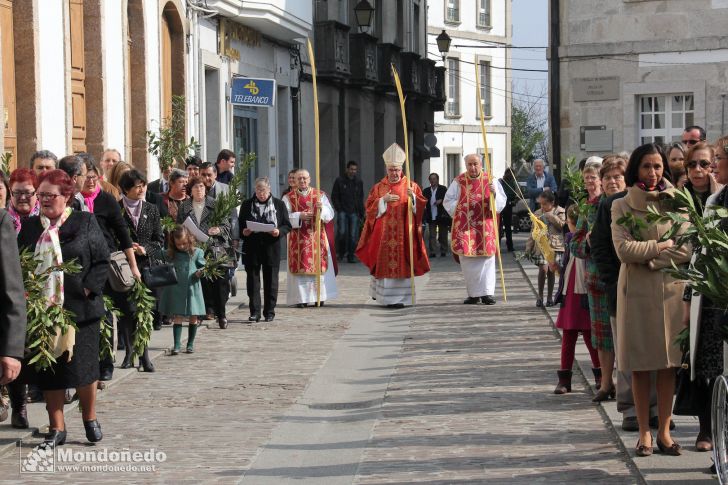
column 301, row 241
column 473, row 231
column 384, row 243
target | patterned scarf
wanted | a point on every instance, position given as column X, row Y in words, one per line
column 659, row 188
column 90, row 197
column 265, row 212
column 16, row 217
column 48, row 254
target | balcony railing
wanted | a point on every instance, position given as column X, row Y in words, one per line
column 428, row 78
column 440, row 98
column 332, row 49
column 363, row 51
column 388, row 54
column 410, row 74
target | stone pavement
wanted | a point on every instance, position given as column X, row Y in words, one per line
column 354, row 393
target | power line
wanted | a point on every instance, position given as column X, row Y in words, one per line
column 501, row 68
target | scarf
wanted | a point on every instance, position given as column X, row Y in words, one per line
column 133, row 208
column 265, row 212
column 659, row 188
column 198, row 208
column 89, row 198
column 16, row 217
column 48, row 254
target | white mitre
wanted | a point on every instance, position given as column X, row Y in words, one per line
column 394, row 156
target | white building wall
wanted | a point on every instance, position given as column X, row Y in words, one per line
column 154, row 91
column 52, row 41
column 462, row 134
column 114, row 67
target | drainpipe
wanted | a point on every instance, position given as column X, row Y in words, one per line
column 554, row 83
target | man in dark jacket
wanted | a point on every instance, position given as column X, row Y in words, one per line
column 12, row 302
column 347, row 197
column 436, row 217
column 605, row 257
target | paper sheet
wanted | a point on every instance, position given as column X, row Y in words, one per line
column 199, row 235
column 258, row 227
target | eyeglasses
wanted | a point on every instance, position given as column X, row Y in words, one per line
column 691, row 142
column 47, row 196
column 22, row 194
column 694, row 163
column 91, row 178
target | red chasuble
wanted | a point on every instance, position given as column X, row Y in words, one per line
column 471, row 213
column 301, row 241
column 384, row 243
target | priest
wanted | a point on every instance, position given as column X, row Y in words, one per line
column 473, row 233
column 384, row 243
column 303, row 204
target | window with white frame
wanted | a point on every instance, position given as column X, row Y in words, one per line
column 485, row 92
column 483, row 13
column 453, row 87
column 452, row 11
column 453, row 167
column 481, row 152
column 663, row 117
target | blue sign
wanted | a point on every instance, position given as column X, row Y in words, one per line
column 253, row 92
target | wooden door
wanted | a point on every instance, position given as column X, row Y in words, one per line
column 10, row 132
column 166, row 74
column 78, row 77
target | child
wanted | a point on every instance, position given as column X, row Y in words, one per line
column 185, row 298
column 553, row 216
column 574, row 312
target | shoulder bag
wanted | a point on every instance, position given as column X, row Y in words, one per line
column 120, row 277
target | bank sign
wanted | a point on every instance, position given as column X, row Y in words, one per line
column 253, row 92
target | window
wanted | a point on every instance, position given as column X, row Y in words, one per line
column 483, row 18
column 452, row 11
column 453, row 167
column 664, row 117
column 453, row 87
column 485, row 88
column 481, row 152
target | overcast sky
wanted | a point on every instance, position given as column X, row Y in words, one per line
column 530, row 28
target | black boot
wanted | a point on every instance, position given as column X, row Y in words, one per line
column 564, row 384
column 17, row 393
column 145, row 362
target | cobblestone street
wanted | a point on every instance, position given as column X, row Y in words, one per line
column 351, row 392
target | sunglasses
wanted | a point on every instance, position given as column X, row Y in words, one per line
column 694, row 163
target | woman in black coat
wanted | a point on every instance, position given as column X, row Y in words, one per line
column 80, row 238
column 145, row 229
column 262, row 250
column 109, row 216
column 199, row 208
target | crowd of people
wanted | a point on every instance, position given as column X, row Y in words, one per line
column 611, row 287
column 614, row 289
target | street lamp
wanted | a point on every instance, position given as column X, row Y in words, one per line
column 443, row 44
column 363, row 12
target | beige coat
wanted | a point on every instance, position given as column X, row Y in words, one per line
column 649, row 301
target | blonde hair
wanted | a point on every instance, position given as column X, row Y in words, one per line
column 183, row 234
column 119, row 169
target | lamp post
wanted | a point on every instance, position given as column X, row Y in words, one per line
column 443, row 44
column 363, row 13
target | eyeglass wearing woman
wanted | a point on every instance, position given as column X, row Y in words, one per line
column 23, row 199
column 700, row 181
column 80, row 238
column 649, row 301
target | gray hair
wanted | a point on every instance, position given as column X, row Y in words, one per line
column 42, row 154
column 262, row 180
column 177, row 174
column 471, row 155
column 539, row 160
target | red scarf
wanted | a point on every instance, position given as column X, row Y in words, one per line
column 89, row 198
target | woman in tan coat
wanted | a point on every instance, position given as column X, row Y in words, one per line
column 649, row 301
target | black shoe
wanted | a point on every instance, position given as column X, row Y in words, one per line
column 106, row 374
column 128, row 362
column 396, row 305
column 629, row 423
column 321, row 303
column 301, row 305
column 549, row 303
column 471, row 300
column 93, row 431
column 55, row 437
column 19, row 418
column 488, row 300
column 222, row 322
column 539, row 303
column 655, row 423
column 157, row 325
column 145, row 363
column 254, row 318
column 269, row 318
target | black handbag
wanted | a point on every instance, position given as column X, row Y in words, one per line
column 690, row 396
column 159, row 275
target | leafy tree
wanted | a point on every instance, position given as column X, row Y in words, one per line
column 527, row 133
column 169, row 146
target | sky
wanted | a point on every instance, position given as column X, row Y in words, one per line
column 530, row 28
